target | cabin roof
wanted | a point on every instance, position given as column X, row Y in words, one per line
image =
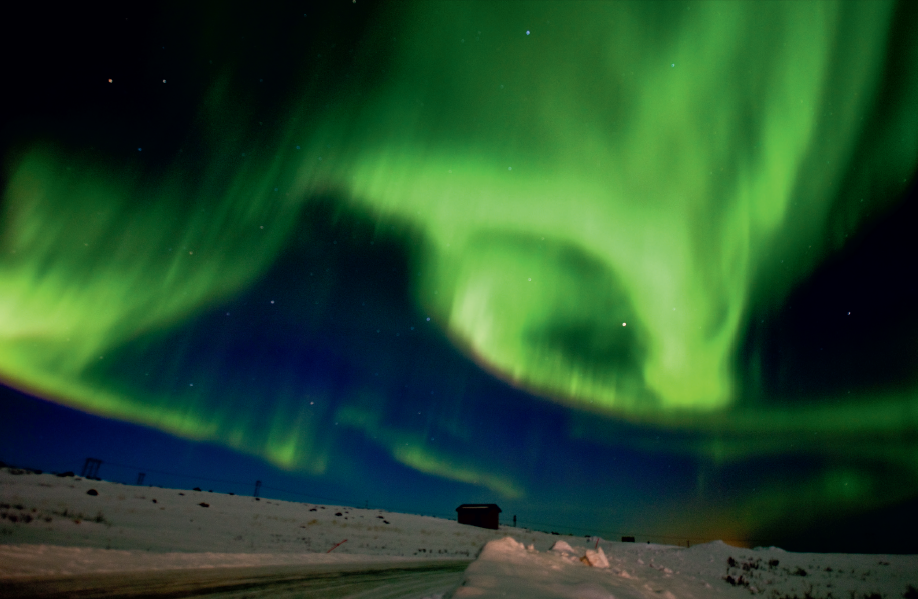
column 479, row 506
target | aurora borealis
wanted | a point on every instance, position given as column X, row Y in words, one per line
column 619, row 266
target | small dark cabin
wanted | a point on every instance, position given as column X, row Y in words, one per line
column 484, row 515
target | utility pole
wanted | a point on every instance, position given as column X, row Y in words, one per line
column 140, row 478
column 514, row 520
column 257, row 487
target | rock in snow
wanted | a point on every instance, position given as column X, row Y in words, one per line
column 562, row 546
column 597, row 558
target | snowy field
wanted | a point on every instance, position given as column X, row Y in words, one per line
column 53, row 526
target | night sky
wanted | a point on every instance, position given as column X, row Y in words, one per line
column 622, row 268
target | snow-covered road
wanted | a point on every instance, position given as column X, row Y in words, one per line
column 382, row 580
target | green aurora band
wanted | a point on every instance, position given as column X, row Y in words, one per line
column 605, row 193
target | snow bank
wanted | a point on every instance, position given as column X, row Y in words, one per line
column 507, row 568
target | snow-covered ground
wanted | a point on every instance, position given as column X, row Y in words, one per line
column 58, row 526
column 713, row 570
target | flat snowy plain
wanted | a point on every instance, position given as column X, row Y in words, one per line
column 67, row 536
